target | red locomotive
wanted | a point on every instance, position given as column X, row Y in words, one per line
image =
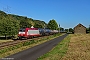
column 28, row 32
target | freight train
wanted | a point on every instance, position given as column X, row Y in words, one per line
column 35, row 32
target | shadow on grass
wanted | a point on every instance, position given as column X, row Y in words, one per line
column 5, row 38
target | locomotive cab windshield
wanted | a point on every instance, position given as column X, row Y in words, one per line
column 22, row 30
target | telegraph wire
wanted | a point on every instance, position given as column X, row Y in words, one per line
column 7, row 9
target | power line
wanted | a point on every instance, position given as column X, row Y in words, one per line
column 6, row 8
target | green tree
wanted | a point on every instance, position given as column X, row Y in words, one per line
column 61, row 29
column 38, row 26
column 8, row 27
column 66, row 30
column 25, row 22
column 70, row 30
column 87, row 30
column 52, row 24
column 14, row 28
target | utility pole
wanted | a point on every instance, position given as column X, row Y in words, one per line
column 44, row 26
column 68, row 30
column 59, row 28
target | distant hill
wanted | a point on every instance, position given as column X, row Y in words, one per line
column 23, row 21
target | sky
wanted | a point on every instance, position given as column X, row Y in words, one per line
column 67, row 13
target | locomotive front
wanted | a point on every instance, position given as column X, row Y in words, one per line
column 22, row 33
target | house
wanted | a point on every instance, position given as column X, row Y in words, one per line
column 79, row 29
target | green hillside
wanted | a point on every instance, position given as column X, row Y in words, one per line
column 10, row 23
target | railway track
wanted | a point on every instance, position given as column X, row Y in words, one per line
column 13, row 43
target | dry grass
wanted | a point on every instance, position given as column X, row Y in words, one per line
column 79, row 47
column 1, row 41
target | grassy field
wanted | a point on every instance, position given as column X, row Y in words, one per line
column 73, row 47
column 79, row 47
column 28, row 46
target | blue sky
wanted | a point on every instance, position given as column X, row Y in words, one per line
column 67, row 13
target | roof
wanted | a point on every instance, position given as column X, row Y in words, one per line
column 31, row 28
column 79, row 25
